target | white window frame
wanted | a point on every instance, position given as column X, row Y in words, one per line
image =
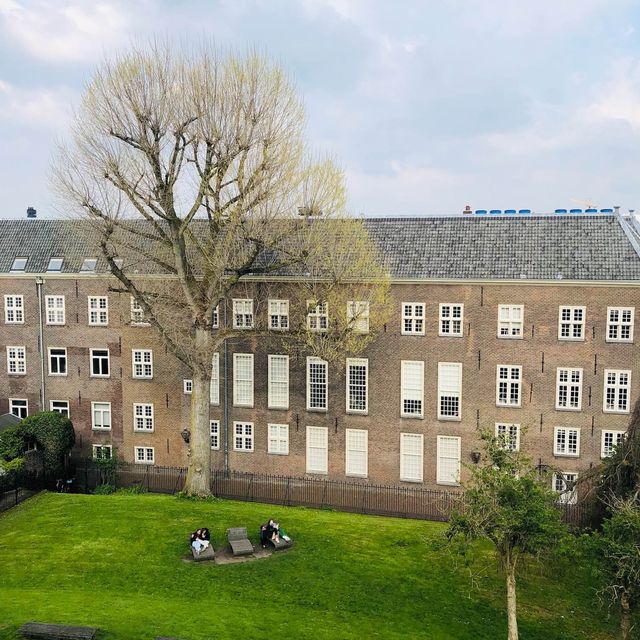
column 187, row 386
column 508, row 435
column 16, row 360
column 148, row 455
column 356, row 454
column 14, row 309
column 105, row 409
column 568, row 386
column 59, row 357
column 278, row 439
column 561, row 442
column 323, row 448
column 356, row 389
column 243, row 384
column 96, row 448
column 214, row 434
column 618, row 388
column 19, row 264
column 215, row 317
column 243, row 317
column 406, row 456
column 358, row 316
column 19, row 403
column 55, row 310
column 243, row 436
column 510, row 381
column 317, row 316
column 56, row 405
column 55, row 264
column 445, row 391
column 278, row 315
column 571, row 323
column 413, row 319
column 137, row 314
column 620, row 320
column 98, row 311
column 565, row 496
column 440, row 478
column 214, row 386
column 317, row 389
column 451, row 320
column 511, row 321
column 413, row 394
column 143, row 417
column 278, row 381
column 101, row 358
column 142, row 364
column 617, row 437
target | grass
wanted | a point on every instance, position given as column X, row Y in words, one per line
column 116, row 562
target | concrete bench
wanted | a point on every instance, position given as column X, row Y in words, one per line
column 239, row 541
column 205, row 554
column 56, row 631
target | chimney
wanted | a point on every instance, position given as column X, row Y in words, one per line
column 467, row 210
column 31, row 212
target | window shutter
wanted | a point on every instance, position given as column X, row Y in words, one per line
column 317, row 449
column 356, row 452
column 411, row 457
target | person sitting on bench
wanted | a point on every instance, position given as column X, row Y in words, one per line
column 269, row 532
column 200, row 540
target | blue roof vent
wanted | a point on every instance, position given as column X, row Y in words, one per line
column 524, row 212
column 575, row 210
column 495, row 212
column 561, row 211
column 606, row 210
column 509, row 212
column 481, row 212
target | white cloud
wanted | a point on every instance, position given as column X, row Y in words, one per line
column 48, row 108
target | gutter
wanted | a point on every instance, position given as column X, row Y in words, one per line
column 39, row 283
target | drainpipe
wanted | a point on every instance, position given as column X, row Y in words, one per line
column 39, row 283
column 225, row 419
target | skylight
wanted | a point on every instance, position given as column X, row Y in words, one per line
column 89, row 264
column 55, row 264
column 19, row 264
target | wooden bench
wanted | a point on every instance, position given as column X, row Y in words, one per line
column 56, row 631
column 239, row 542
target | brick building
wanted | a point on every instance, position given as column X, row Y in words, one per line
column 523, row 324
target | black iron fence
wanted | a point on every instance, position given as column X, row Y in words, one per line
column 357, row 497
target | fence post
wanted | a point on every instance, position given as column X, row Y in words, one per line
column 286, row 493
column 17, row 495
column 86, row 479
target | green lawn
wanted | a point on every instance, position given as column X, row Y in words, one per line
column 116, row 562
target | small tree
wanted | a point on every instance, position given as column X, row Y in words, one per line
column 507, row 503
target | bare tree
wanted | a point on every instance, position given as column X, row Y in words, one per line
column 192, row 165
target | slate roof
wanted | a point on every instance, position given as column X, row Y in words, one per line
column 456, row 247
column 9, row 420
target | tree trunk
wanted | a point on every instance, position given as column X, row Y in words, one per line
column 512, row 619
column 198, row 482
column 625, row 617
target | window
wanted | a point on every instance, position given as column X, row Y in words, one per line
column 214, row 429
column 55, row 265
column 317, row 450
column 620, row 324
column 316, row 384
column 358, row 316
column 137, row 313
column 19, row 407
column 278, row 382
column 357, row 385
column 14, row 309
column 101, row 415
column 279, row 314
column 214, row 386
column 59, row 406
column 101, row 451
column 19, row 264
column 356, row 452
column 616, row 391
column 278, row 439
column 451, row 318
column 55, row 309
column 243, row 379
column 411, row 453
column 57, row 361
column 566, row 442
column 88, row 264
column 510, row 320
column 449, row 390
column 508, row 386
column 571, row 323
column 569, row 389
column 565, row 484
column 317, row 316
column 610, row 440
column 411, row 388
column 412, row 318
column 508, row 436
column 98, row 310
column 142, row 360
column 144, row 455
column 99, row 363
column 17, row 360
column 187, row 386
column 243, row 436
column 142, row 417
column 243, row 313
column 448, row 471
column 215, row 317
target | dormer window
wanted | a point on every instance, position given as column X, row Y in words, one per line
column 89, row 264
column 55, row 264
column 19, row 264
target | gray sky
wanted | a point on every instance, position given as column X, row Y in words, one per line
column 428, row 106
